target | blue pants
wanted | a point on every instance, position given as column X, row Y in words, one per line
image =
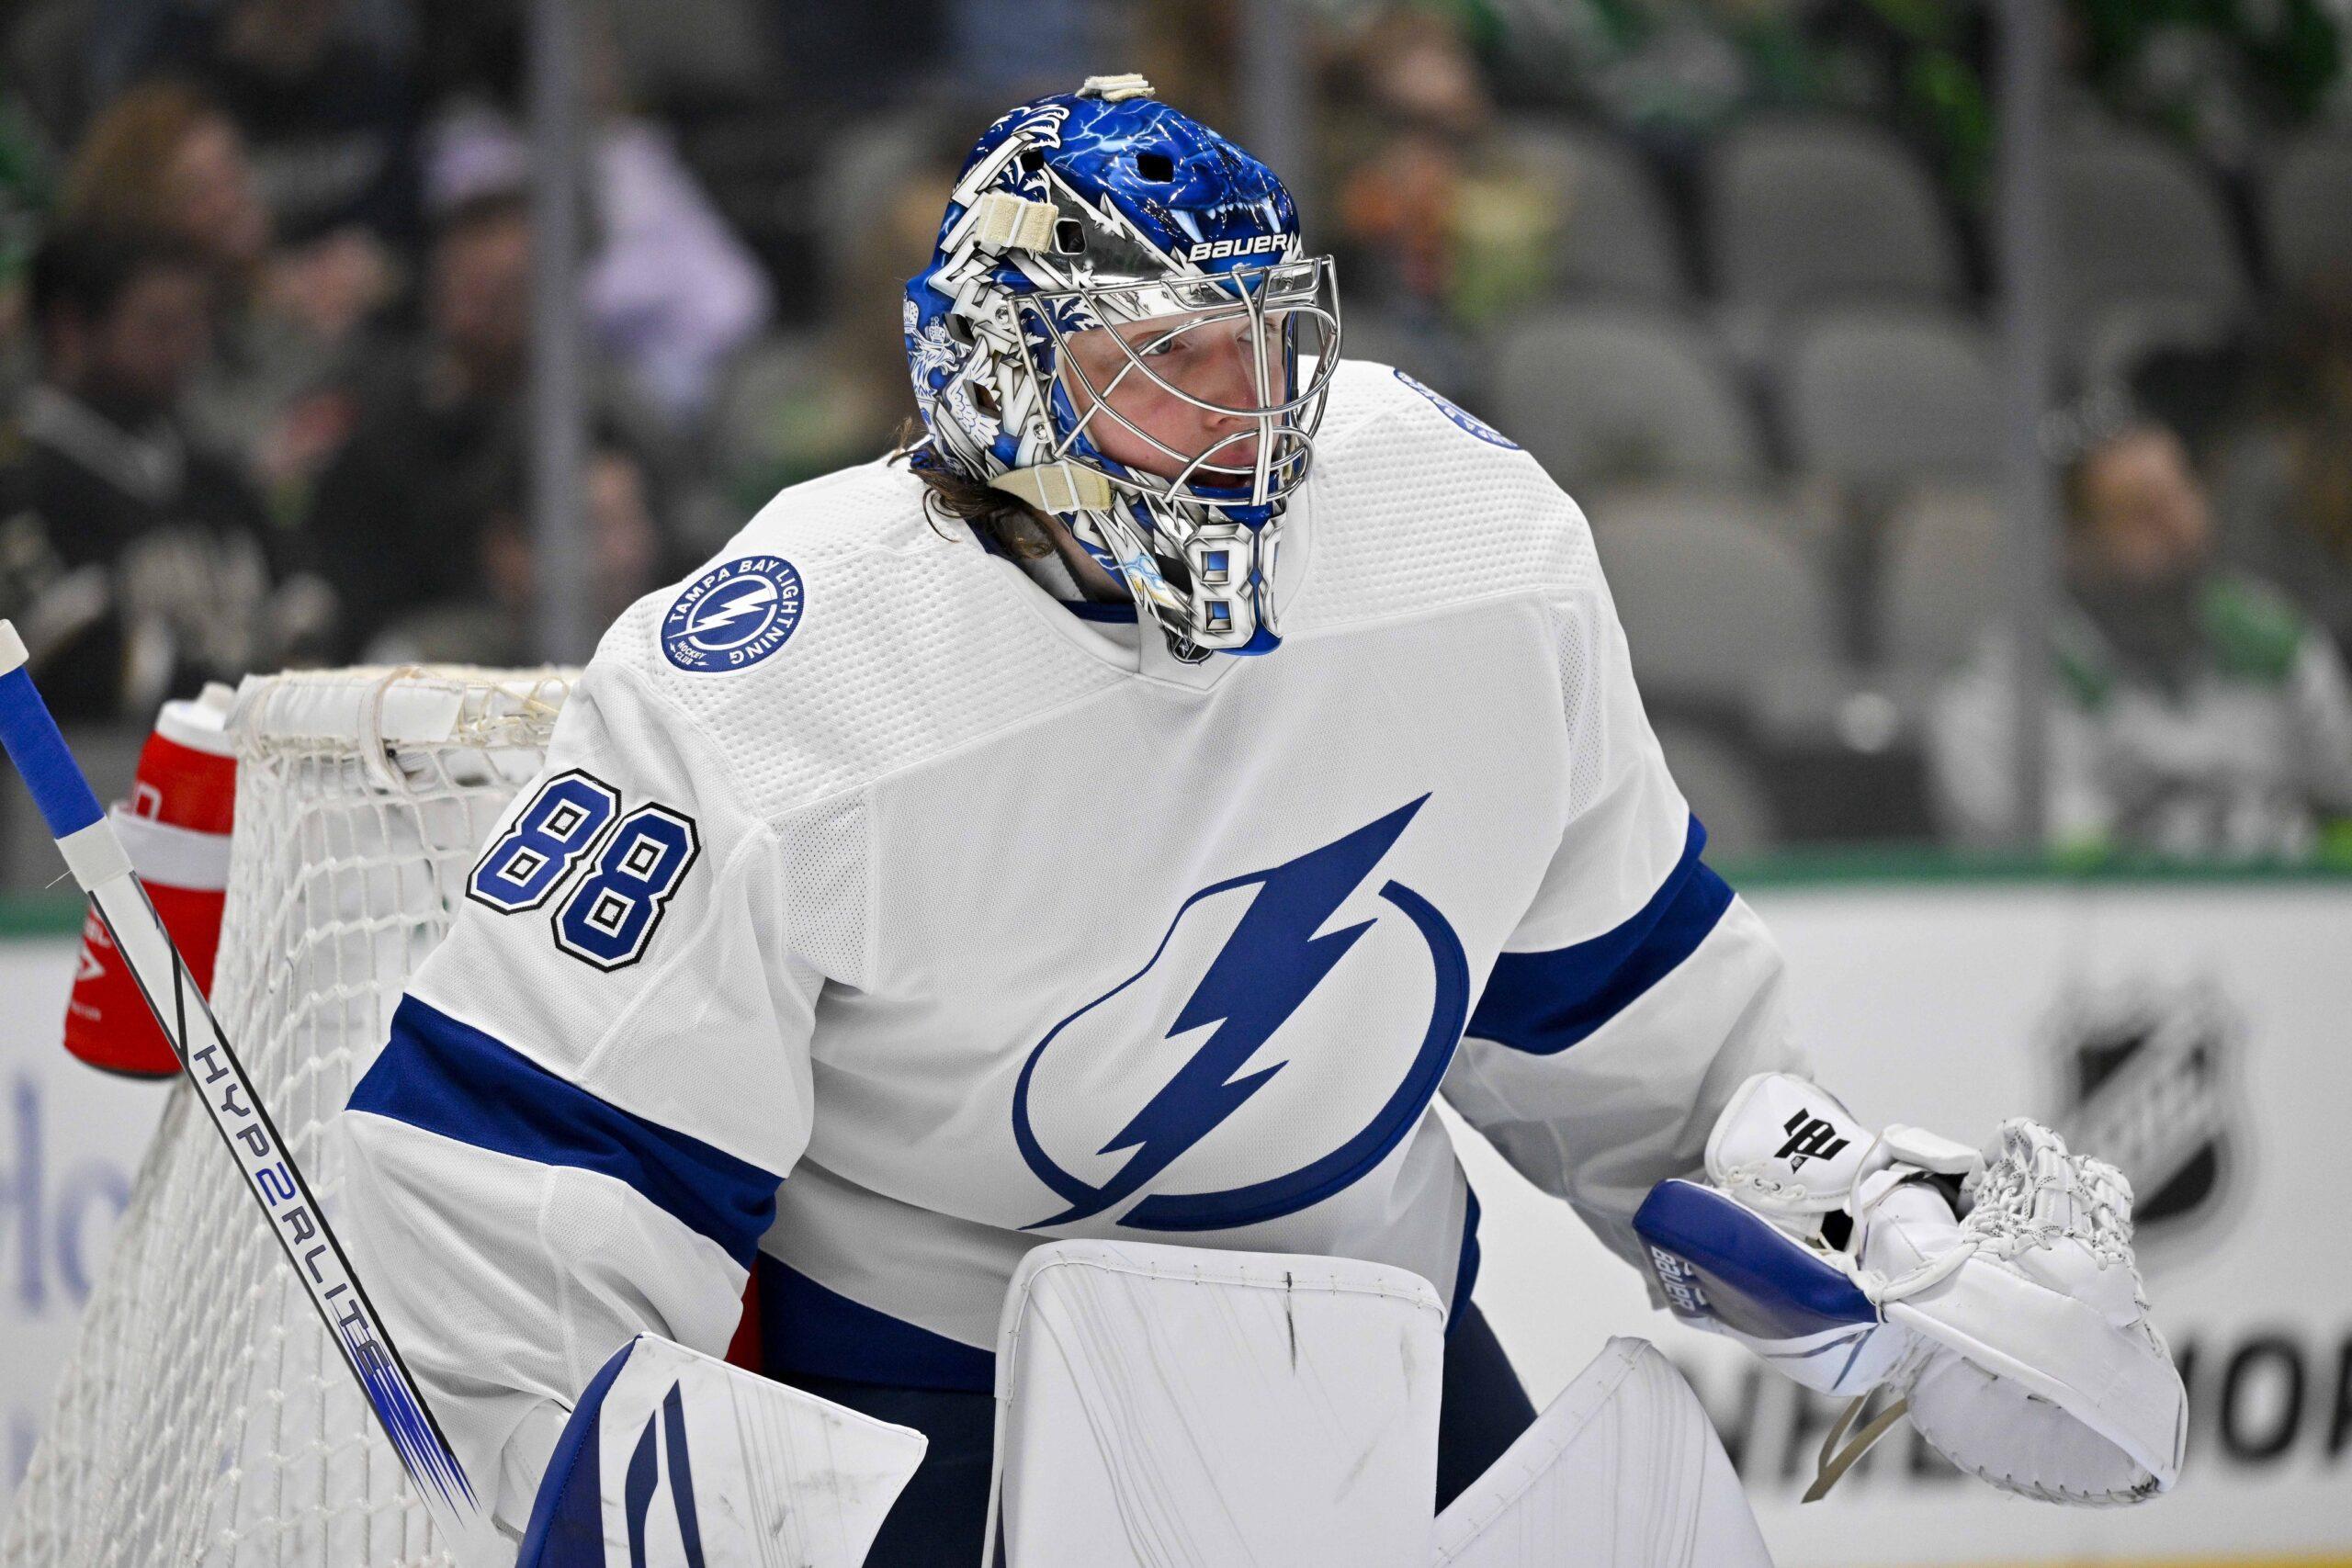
column 939, row 1518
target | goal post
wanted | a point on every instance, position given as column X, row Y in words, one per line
column 205, row 1418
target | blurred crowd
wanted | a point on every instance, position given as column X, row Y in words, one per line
column 1725, row 266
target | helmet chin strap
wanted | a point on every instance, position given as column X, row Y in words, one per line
column 1057, row 487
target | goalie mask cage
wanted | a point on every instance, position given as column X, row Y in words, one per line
column 205, row 1418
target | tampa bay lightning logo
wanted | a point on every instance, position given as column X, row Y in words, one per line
column 733, row 615
column 1270, row 965
column 1459, row 415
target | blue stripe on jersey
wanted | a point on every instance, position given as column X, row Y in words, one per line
column 806, row 1330
column 1544, row 1002
column 452, row 1080
column 810, row 1330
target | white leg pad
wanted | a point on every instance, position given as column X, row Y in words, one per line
column 1621, row 1471
column 674, row 1457
column 1176, row 1405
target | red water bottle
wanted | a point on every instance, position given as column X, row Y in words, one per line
column 176, row 826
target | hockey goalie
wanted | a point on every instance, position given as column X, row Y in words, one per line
column 1008, row 918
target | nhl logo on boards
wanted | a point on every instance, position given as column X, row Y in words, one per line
column 2146, row 1077
column 733, row 615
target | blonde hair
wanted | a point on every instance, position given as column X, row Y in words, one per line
column 1015, row 528
column 121, row 180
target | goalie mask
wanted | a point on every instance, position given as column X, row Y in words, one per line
column 1106, row 212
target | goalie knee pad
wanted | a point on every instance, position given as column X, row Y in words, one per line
column 673, row 1456
column 1624, row 1465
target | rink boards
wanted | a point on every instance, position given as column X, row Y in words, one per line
column 2194, row 1027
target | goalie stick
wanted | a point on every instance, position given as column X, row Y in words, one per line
column 95, row 855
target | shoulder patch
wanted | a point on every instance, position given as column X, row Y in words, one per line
column 1459, row 415
column 733, row 615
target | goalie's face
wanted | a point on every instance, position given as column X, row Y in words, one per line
column 1199, row 389
column 1179, row 397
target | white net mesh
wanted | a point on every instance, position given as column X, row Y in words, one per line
column 205, row 1418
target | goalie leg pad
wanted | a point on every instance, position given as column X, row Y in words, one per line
column 1621, row 1471
column 675, row 1458
column 1164, row 1404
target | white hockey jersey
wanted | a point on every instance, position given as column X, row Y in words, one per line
column 878, row 917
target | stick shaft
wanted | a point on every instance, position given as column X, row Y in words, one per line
column 221, row 1084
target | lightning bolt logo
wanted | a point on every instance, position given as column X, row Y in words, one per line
column 1276, row 957
column 734, row 615
column 758, row 594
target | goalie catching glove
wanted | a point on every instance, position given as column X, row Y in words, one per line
column 1999, row 1300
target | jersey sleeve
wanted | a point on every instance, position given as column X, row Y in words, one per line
column 591, row 1090
column 1637, row 991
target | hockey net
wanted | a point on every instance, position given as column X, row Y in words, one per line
column 205, row 1418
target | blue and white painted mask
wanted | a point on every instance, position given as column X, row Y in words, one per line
column 1105, row 208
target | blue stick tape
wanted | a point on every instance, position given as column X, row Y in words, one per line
column 39, row 750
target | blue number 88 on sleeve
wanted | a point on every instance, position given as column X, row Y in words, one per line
column 548, row 836
column 609, row 917
column 635, row 866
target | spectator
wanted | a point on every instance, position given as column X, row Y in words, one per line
column 671, row 292
column 324, row 110
column 2196, row 711
column 136, row 564
column 24, row 203
column 2222, row 78
column 2286, row 470
column 842, row 395
column 1444, row 228
column 163, row 160
column 409, row 513
column 494, row 625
